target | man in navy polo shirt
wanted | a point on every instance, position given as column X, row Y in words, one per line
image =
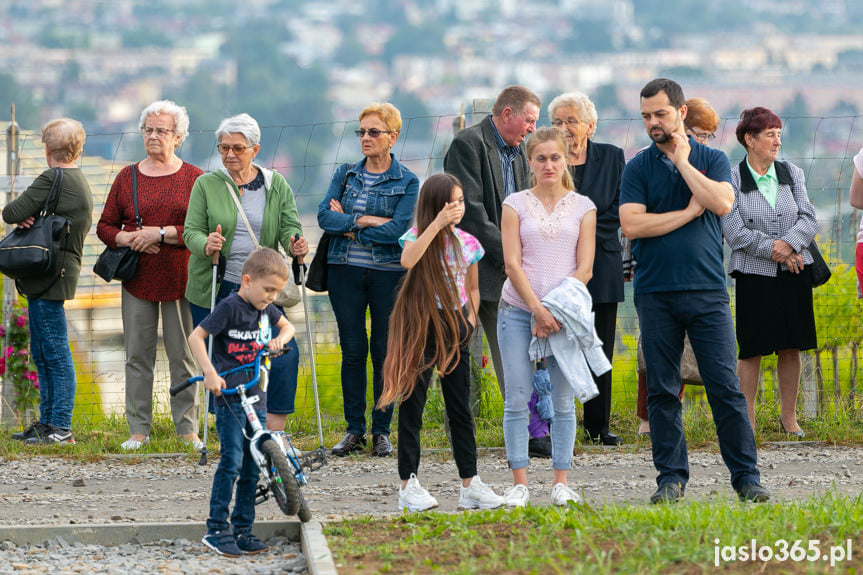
column 672, row 196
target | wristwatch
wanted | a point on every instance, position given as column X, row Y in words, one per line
column 161, row 235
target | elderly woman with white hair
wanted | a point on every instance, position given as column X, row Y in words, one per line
column 596, row 170
column 162, row 183
column 215, row 226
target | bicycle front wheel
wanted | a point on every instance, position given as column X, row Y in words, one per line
column 281, row 478
column 303, row 513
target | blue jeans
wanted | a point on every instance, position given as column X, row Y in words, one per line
column 49, row 346
column 664, row 318
column 352, row 290
column 235, row 465
column 283, row 369
column 513, row 337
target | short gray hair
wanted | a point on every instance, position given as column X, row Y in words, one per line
column 181, row 118
column 243, row 124
column 578, row 100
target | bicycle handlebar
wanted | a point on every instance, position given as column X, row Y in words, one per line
column 263, row 352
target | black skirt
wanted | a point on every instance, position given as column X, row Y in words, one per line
column 774, row 313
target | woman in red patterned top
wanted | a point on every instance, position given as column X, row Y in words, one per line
column 164, row 183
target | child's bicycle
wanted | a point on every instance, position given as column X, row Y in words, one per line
column 273, row 451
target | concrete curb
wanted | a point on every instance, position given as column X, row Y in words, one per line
column 312, row 540
column 315, row 548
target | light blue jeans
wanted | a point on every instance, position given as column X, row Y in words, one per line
column 513, row 336
column 49, row 346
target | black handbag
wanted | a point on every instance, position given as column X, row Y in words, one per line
column 820, row 270
column 121, row 263
column 34, row 252
column 319, row 269
column 317, row 280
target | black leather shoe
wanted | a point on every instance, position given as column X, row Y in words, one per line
column 667, row 493
column 610, row 439
column 539, row 447
column 381, row 445
column 753, row 492
column 350, row 442
column 604, row 438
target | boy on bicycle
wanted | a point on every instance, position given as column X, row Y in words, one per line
column 240, row 325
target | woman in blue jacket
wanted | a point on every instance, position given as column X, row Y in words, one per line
column 366, row 210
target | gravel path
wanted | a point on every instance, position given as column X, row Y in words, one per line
column 53, row 491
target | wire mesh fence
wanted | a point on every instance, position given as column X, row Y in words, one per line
column 308, row 154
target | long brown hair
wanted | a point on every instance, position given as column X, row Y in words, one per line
column 415, row 314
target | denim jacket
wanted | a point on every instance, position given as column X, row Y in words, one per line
column 393, row 196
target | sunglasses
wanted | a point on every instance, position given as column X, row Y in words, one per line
column 373, row 133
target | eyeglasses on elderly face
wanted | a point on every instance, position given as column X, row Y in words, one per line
column 558, row 123
column 160, row 132
column 373, row 132
column 237, row 148
column 702, row 137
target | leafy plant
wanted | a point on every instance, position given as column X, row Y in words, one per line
column 16, row 364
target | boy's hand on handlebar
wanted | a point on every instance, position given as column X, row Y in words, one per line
column 214, row 383
column 277, row 346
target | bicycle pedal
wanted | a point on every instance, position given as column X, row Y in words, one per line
column 262, row 493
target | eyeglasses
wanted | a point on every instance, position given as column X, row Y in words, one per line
column 704, row 137
column 160, row 132
column 373, row 133
column 568, row 122
column 237, row 148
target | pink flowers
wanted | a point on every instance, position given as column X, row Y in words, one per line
column 21, row 320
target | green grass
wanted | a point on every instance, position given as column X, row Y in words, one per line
column 617, row 538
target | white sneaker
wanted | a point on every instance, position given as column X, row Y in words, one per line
column 414, row 497
column 478, row 495
column 134, row 444
column 516, row 496
column 562, row 494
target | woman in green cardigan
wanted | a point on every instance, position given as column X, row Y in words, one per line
column 213, row 225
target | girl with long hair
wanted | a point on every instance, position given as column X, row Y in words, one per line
column 430, row 326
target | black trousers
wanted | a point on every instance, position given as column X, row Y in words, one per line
column 455, row 387
column 597, row 411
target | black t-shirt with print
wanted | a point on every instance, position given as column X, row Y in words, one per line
column 239, row 331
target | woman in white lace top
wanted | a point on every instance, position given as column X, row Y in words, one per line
column 548, row 234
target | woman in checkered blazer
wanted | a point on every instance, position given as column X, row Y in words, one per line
column 769, row 230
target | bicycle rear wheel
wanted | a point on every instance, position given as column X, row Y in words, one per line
column 281, row 478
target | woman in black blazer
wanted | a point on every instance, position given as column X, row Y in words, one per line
column 596, row 170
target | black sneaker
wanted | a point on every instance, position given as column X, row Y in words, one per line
column 667, row 493
column 56, row 436
column 539, row 447
column 35, row 430
column 350, row 442
column 753, row 492
column 223, row 543
column 250, row 544
column 381, row 445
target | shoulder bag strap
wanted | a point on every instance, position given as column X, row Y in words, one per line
column 54, row 193
column 242, row 215
column 135, row 196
